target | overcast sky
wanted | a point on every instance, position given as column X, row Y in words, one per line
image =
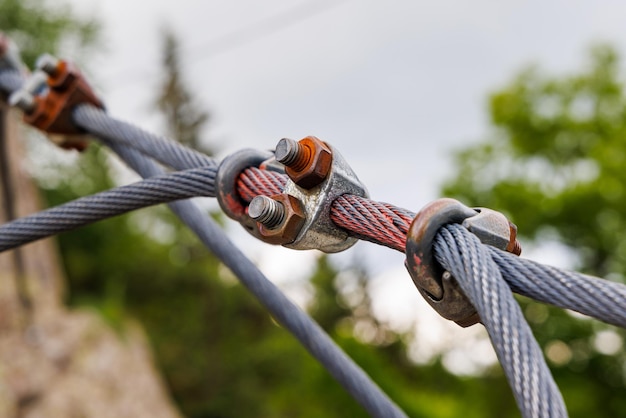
column 394, row 85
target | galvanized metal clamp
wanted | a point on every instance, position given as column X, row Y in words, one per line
column 300, row 217
column 437, row 286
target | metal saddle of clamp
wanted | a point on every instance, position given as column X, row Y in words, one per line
column 318, row 231
column 437, row 286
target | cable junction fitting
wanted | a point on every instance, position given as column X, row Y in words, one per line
column 318, row 175
column 436, row 285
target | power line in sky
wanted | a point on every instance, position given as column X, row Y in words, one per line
column 240, row 37
column 262, row 28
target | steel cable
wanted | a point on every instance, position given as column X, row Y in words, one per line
column 86, row 210
column 10, row 81
column 592, row 296
column 168, row 152
column 535, row 391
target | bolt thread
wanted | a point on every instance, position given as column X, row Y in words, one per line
column 266, row 211
column 292, row 154
column 48, row 64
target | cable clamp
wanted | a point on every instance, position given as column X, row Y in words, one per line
column 437, row 286
column 49, row 98
column 318, row 175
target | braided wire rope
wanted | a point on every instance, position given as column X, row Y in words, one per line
column 10, row 81
column 461, row 253
column 168, row 152
column 591, row 296
column 86, row 210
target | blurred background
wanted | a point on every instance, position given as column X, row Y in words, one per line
column 518, row 106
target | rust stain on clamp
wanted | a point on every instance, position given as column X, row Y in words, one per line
column 67, row 89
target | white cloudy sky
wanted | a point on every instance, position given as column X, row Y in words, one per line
column 393, row 84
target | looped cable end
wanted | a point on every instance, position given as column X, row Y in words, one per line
column 437, row 286
column 226, row 180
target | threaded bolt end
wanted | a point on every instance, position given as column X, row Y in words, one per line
column 48, row 64
column 292, row 154
column 266, row 211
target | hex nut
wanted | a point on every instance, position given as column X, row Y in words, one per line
column 318, row 163
column 289, row 228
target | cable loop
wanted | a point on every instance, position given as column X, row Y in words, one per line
column 436, row 285
column 228, row 196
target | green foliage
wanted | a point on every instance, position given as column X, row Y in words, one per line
column 39, row 26
column 555, row 164
column 184, row 117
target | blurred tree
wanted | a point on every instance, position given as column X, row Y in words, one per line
column 37, row 26
column 555, row 164
column 184, row 117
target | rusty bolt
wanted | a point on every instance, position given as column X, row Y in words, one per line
column 307, row 162
column 48, row 64
column 279, row 217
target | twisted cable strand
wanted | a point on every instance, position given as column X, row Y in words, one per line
column 10, row 81
column 372, row 221
column 253, row 182
column 171, row 153
column 470, row 262
column 592, row 296
column 86, row 210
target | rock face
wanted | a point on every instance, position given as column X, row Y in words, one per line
column 57, row 362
